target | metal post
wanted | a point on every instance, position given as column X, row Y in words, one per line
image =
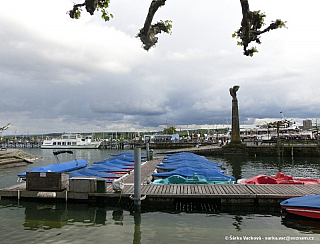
column 147, row 138
column 137, row 176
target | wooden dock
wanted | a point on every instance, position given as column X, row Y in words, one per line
column 257, row 195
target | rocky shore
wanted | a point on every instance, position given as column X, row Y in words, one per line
column 15, row 157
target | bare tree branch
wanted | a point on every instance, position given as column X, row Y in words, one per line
column 148, row 33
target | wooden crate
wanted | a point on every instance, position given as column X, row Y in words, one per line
column 47, row 181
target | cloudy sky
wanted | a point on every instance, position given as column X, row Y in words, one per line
column 64, row 75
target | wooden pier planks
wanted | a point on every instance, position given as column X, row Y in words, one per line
column 236, row 191
column 147, row 169
column 284, row 190
column 222, row 191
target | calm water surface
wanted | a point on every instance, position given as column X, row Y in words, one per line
column 50, row 222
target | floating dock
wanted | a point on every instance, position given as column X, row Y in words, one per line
column 235, row 195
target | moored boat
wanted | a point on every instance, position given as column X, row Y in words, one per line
column 189, row 172
column 110, row 169
column 58, row 167
column 71, row 141
column 307, row 206
column 280, row 178
column 195, row 179
column 93, row 173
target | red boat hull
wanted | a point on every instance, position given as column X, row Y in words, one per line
column 305, row 212
column 279, row 179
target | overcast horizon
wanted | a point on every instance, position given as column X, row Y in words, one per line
column 63, row 75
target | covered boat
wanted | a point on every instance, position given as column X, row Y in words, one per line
column 116, row 162
column 109, row 169
column 307, row 206
column 189, row 172
column 195, row 179
column 126, row 155
column 184, row 156
column 280, row 178
column 90, row 172
column 173, row 166
column 58, row 167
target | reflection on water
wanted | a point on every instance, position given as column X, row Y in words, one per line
column 305, row 225
column 34, row 222
column 238, row 222
column 188, row 222
column 137, row 222
column 247, row 167
column 57, row 215
column 44, row 217
column 117, row 216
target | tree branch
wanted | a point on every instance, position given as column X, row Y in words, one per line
column 75, row 12
column 250, row 27
column 91, row 7
column 5, row 127
column 148, row 33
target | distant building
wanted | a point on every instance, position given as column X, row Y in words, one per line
column 307, row 124
column 162, row 138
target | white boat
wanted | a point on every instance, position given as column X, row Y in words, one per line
column 71, row 141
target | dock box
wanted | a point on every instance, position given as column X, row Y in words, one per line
column 87, row 185
column 83, row 184
column 47, row 181
column 101, row 186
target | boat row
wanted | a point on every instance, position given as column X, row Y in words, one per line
column 110, row 169
column 189, row 168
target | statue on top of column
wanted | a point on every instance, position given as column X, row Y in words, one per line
column 233, row 91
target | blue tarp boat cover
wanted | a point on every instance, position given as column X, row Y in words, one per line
column 189, row 172
column 114, row 162
column 126, row 154
column 182, row 155
column 193, row 160
column 172, row 166
column 309, row 201
column 190, row 157
column 76, row 174
column 106, row 168
column 58, row 167
column 89, row 172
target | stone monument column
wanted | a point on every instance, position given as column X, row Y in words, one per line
column 235, row 135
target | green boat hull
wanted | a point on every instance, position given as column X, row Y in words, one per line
column 196, row 179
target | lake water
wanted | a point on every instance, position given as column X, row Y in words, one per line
column 52, row 222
